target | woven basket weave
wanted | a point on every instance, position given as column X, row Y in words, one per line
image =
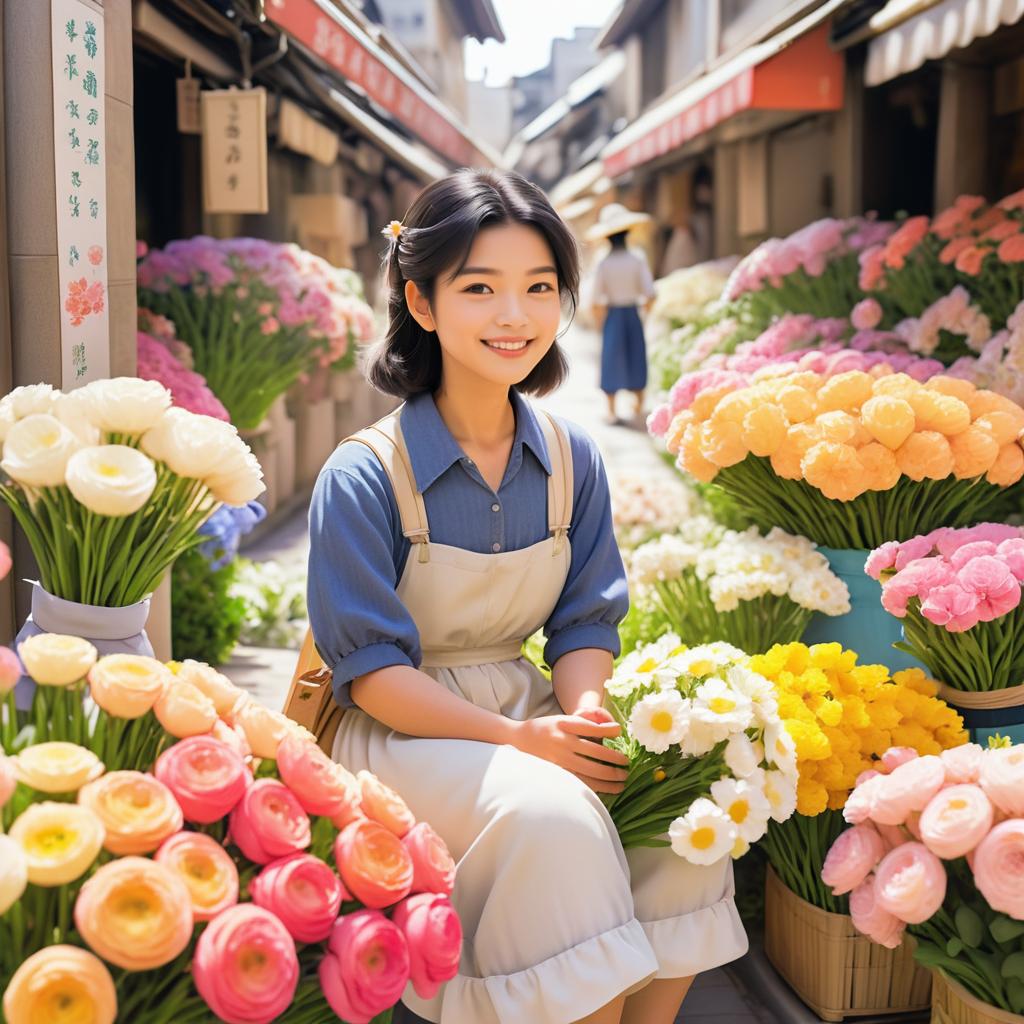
column 834, row 969
column 953, row 1004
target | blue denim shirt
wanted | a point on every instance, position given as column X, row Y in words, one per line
column 357, row 551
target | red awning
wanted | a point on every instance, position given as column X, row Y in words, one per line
column 340, row 43
column 788, row 72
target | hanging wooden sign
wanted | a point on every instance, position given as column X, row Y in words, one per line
column 235, row 151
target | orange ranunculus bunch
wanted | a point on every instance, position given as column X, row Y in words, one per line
column 972, row 243
column 205, row 865
column 904, row 456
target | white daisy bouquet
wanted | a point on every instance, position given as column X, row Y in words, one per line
column 710, row 583
column 710, row 762
column 110, row 483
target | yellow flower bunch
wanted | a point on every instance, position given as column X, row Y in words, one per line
column 853, row 432
column 843, row 716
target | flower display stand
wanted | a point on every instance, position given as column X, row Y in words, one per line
column 952, row 1004
column 835, row 970
column 264, row 443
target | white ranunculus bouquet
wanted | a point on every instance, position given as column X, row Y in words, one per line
column 710, row 762
column 110, row 483
column 709, row 583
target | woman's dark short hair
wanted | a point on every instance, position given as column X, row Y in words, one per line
column 438, row 233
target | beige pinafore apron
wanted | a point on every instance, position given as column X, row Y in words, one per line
column 558, row 919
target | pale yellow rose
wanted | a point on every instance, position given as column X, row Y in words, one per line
column 192, row 445
column 263, row 728
column 61, row 985
column 60, row 841
column 239, row 478
column 111, row 479
column 53, row 659
column 56, row 767
column 128, row 685
column 13, row 873
column 37, row 449
column 137, row 810
column 184, row 710
column 126, row 405
column 214, row 684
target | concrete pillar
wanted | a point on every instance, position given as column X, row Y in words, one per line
column 961, row 152
column 726, row 199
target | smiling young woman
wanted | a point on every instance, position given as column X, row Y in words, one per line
column 441, row 538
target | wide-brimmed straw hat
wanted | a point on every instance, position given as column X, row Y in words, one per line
column 613, row 219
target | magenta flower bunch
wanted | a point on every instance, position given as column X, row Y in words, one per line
column 156, row 361
column 959, row 595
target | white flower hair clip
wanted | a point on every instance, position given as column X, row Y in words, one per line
column 393, row 231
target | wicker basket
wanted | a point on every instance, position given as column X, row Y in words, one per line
column 834, row 969
column 953, row 1004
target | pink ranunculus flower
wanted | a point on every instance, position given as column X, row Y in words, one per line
column 658, row 422
column 269, row 822
column 866, row 315
column 910, row 883
column 303, row 892
column 906, row 789
column 892, row 835
column 321, row 785
column 956, row 819
column 245, row 966
column 366, row 967
column 992, row 582
column 10, row 670
column 433, row 933
column 895, row 756
column 860, row 802
column 432, row 865
column 852, row 858
column 206, row 777
column 963, row 763
column 952, row 607
column 871, row 920
column 1002, row 778
column 998, row 866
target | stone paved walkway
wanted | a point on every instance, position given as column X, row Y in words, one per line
column 717, row 996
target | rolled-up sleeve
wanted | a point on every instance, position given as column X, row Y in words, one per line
column 358, row 622
column 594, row 599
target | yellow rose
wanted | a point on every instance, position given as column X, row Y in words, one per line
column 704, row 404
column 722, row 443
column 899, row 385
column 690, row 458
column 1004, row 426
column 13, row 873
column 764, row 429
column 214, row 684
column 881, row 470
column 962, row 389
column 944, row 413
column 835, row 470
column 848, row 390
column 61, row 985
column 137, row 810
column 56, row 767
column 263, row 728
column 974, row 452
column 982, row 402
column 925, row 455
column 127, row 685
column 184, row 710
column 53, row 659
column 889, row 419
column 60, row 841
column 797, row 403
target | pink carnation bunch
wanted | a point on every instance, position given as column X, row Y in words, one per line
column 188, row 389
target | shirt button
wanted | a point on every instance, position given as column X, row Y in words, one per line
column 495, row 507
column 495, row 548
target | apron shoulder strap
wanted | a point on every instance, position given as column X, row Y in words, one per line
column 385, row 440
column 560, row 483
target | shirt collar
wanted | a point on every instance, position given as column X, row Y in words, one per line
column 433, row 450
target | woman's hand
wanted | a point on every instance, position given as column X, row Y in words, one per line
column 574, row 742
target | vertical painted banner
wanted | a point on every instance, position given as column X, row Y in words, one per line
column 79, row 158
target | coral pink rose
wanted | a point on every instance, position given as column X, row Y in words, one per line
column 245, row 966
column 852, row 857
column 1002, row 778
column 231, row 736
column 871, row 920
column 303, row 892
column 907, row 789
column 956, row 820
column 963, row 763
column 910, row 883
column 433, row 933
column 383, row 804
column 206, row 777
column 366, row 967
column 269, row 822
column 207, row 870
column 895, row 756
column 432, row 864
column 374, row 865
column 322, row 786
column 998, row 865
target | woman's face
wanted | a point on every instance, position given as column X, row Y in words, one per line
column 499, row 316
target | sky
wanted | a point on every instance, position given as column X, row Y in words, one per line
column 529, row 26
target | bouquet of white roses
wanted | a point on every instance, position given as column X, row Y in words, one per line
column 709, row 583
column 110, row 483
column 710, row 762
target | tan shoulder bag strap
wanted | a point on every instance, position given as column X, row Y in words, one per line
column 560, row 483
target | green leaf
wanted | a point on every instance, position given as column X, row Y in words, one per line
column 969, row 926
column 954, row 947
column 1015, row 995
column 1013, row 967
column 1006, row 929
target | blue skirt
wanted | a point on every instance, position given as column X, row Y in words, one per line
column 623, row 352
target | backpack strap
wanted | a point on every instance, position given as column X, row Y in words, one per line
column 560, row 483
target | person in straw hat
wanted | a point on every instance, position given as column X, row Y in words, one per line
column 622, row 280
